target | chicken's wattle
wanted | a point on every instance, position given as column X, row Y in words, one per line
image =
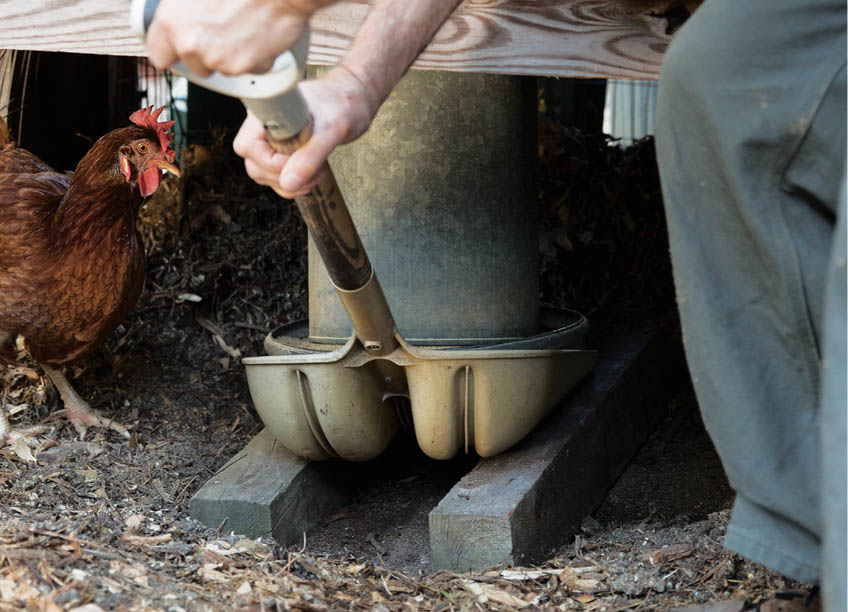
column 148, row 181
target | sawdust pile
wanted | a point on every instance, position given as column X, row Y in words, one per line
column 145, row 564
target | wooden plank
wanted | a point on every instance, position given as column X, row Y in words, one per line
column 518, row 507
column 583, row 38
column 76, row 26
column 567, row 38
column 265, row 490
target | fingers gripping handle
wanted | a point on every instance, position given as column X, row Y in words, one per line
column 273, row 96
column 326, row 215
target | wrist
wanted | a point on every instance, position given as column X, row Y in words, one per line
column 362, row 92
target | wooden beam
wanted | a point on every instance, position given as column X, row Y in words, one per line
column 517, row 507
column 567, row 38
column 267, row 491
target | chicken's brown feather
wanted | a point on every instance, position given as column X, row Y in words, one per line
column 71, row 260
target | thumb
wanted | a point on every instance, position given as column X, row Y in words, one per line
column 304, row 164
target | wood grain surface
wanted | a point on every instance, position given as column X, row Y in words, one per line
column 582, row 38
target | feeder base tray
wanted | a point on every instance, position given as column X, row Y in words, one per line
column 556, row 476
column 342, row 402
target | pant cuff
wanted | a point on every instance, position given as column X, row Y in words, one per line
column 768, row 539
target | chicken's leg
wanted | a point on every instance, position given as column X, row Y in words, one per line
column 5, row 427
column 77, row 410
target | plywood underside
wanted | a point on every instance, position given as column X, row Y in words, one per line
column 567, row 38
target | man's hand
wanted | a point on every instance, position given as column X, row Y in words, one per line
column 240, row 36
column 342, row 110
column 232, row 37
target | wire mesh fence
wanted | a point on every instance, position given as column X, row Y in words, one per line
column 15, row 72
column 163, row 88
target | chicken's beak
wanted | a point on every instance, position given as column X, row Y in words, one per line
column 149, row 177
column 166, row 166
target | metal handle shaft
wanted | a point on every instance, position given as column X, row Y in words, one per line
column 327, row 217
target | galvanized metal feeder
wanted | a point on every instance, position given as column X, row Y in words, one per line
column 442, row 191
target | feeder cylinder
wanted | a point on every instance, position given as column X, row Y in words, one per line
column 442, row 188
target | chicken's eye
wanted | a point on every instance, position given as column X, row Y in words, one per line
column 142, row 147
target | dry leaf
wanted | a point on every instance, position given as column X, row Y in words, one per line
column 569, row 578
column 502, row 597
column 476, row 590
column 244, row 589
column 10, row 590
column 134, row 522
column 584, row 599
column 22, row 450
column 90, row 475
column 212, row 575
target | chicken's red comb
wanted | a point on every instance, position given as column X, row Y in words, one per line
column 149, row 118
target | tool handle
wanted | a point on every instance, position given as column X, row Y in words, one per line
column 326, row 215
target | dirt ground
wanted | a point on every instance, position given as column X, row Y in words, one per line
column 102, row 523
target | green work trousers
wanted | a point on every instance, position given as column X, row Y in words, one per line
column 751, row 136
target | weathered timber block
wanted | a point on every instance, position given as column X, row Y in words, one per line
column 517, row 507
column 265, row 490
column 567, row 38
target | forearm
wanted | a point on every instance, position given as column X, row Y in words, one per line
column 390, row 39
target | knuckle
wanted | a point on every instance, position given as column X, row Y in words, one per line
column 189, row 41
column 238, row 145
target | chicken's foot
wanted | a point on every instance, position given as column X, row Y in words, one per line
column 77, row 410
column 9, row 435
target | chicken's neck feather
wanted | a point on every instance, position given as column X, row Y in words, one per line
column 98, row 196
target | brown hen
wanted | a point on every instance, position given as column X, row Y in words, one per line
column 72, row 262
